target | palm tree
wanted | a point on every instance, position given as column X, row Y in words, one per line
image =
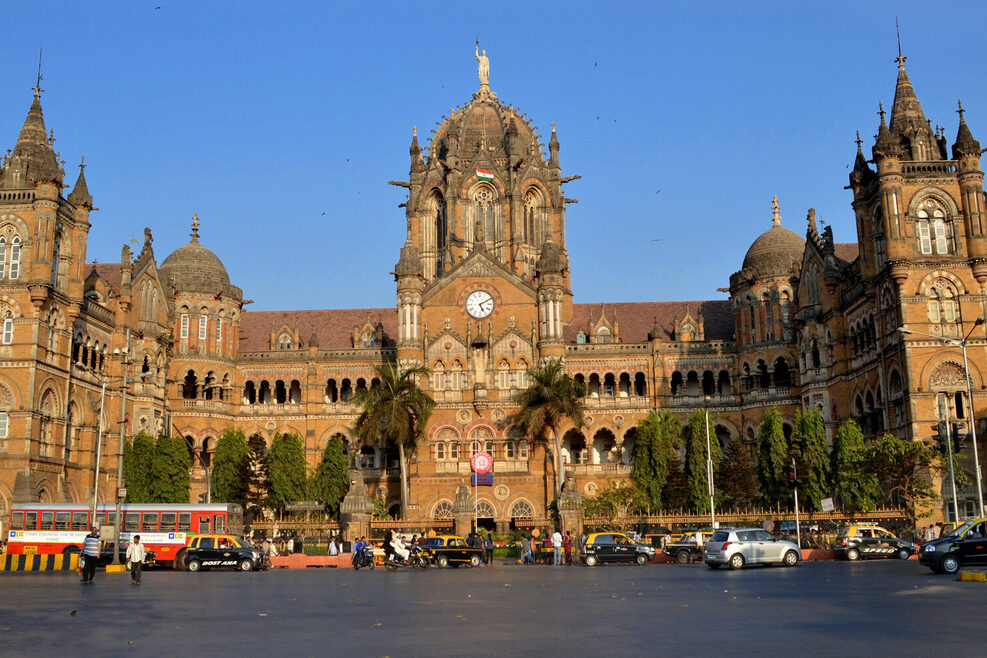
column 552, row 395
column 395, row 410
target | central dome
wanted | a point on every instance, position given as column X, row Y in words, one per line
column 194, row 268
column 776, row 250
column 485, row 124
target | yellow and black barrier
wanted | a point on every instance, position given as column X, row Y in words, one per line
column 39, row 562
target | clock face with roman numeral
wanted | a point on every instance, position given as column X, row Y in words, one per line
column 479, row 304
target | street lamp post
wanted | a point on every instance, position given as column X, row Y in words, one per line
column 969, row 394
column 99, row 444
column 709, row 471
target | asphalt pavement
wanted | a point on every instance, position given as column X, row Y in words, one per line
column 817, row 608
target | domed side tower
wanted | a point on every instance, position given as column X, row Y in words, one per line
column 484, row 165
column 207, row 318
column 761, row 294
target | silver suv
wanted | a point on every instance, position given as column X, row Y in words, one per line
column 749, row 546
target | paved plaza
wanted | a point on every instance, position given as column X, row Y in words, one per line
column 820, row 608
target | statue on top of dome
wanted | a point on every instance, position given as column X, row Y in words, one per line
column 484, row 66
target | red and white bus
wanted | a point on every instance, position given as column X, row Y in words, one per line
column 51, row 528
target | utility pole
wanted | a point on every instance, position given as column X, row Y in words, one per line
column 123, row 427
column 709, row 472
column 944, row 414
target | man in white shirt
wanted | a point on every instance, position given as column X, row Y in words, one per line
column 557, row 545
column 135, row 559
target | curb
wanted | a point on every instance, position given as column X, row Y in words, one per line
column 68, row 562
column 971, row 577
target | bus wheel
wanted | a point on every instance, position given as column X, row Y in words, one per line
column 71, row 550
column 179, row 563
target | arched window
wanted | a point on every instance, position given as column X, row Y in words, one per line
column 3, row 258
column 786, row 308
column 284, row 341
column 943, row 307
column 522, row 510
column 532, row 202
column 603, row 335
column 55, row 255
column 184, row 329
column 443, row 510
column 15, row 257
column 485, row 213
column 369, row 339
column 768, row 329
column 441, row 227
column 934, row 232
column 8, row 328
column 4, row 425
column 203, row 325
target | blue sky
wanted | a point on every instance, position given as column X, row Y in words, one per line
column 682, row 118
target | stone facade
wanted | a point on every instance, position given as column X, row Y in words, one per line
column 483, row 294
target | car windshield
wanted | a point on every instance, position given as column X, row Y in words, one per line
column 435, row 542
column 719, row 535
column 963, row 528
column 242, row 543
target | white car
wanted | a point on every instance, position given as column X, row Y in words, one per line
column 743, row 546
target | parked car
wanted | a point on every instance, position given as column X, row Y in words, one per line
column 223, row 551
column 743, row 546
column 965, row 546
column 867, row 540
column 451, row 550
column 686, row 548
column 603, row 547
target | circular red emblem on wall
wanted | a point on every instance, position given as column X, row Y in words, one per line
column 481, row 462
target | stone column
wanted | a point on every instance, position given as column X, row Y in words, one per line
column 356, row 509
column 571, row 507
column 462, row 510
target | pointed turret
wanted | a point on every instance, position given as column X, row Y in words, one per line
column 966, row 145
column 410, row 263
column 908, row 120
column 553, row 149
column 33, row 147
column 886, row 144
column 417, row 164
column 80, row 193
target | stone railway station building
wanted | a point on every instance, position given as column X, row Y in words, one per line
column 482, row 294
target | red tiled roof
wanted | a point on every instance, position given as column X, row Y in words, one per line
column 108, row 272
column 636, row 319
column 334, row 327
column 846, row 251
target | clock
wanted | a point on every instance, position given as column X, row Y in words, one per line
column 479, row 304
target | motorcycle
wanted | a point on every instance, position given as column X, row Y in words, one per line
column 364, row 558
column 416, row 558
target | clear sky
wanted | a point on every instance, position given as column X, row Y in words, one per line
column 280, row 123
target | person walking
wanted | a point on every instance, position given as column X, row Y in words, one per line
column 557, row 545
column 533, row 549
column 90, row 552
column 488, row 548
column 333, row 549
column 135, row 559
column 567, row 545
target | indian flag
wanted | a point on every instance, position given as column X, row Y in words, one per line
column 483, row 174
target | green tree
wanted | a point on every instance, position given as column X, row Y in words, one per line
column 770, row 458
column 551, row 397
column 737, row 480
column 676, row 493
column 852, row 481
column 257, row 485
column 904, row 470
column 395, row 411
column 286, row 470
column 170, row 468
column 809, row 449
column 138, row 458
column 656, row 444
column 230, row 475
column 331, row 481
column 697, row 481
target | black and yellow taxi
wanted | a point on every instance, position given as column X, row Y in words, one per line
column 452, row 550
column 965, row 546
column 861, row 541
column 604, row 547
column 215, row 551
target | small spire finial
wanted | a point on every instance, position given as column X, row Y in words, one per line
column 553, row 126
column 414, row 131
column 195, row 227
column 880, row 110
column 858, row 140
column 775, row 214
column 37, row 86
column 82, row 163
column 901, row 58
column 960, row 110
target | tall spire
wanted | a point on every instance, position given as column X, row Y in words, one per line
column 907, row 118
column 195, row 228
column 33, row 145
column 775, row 211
